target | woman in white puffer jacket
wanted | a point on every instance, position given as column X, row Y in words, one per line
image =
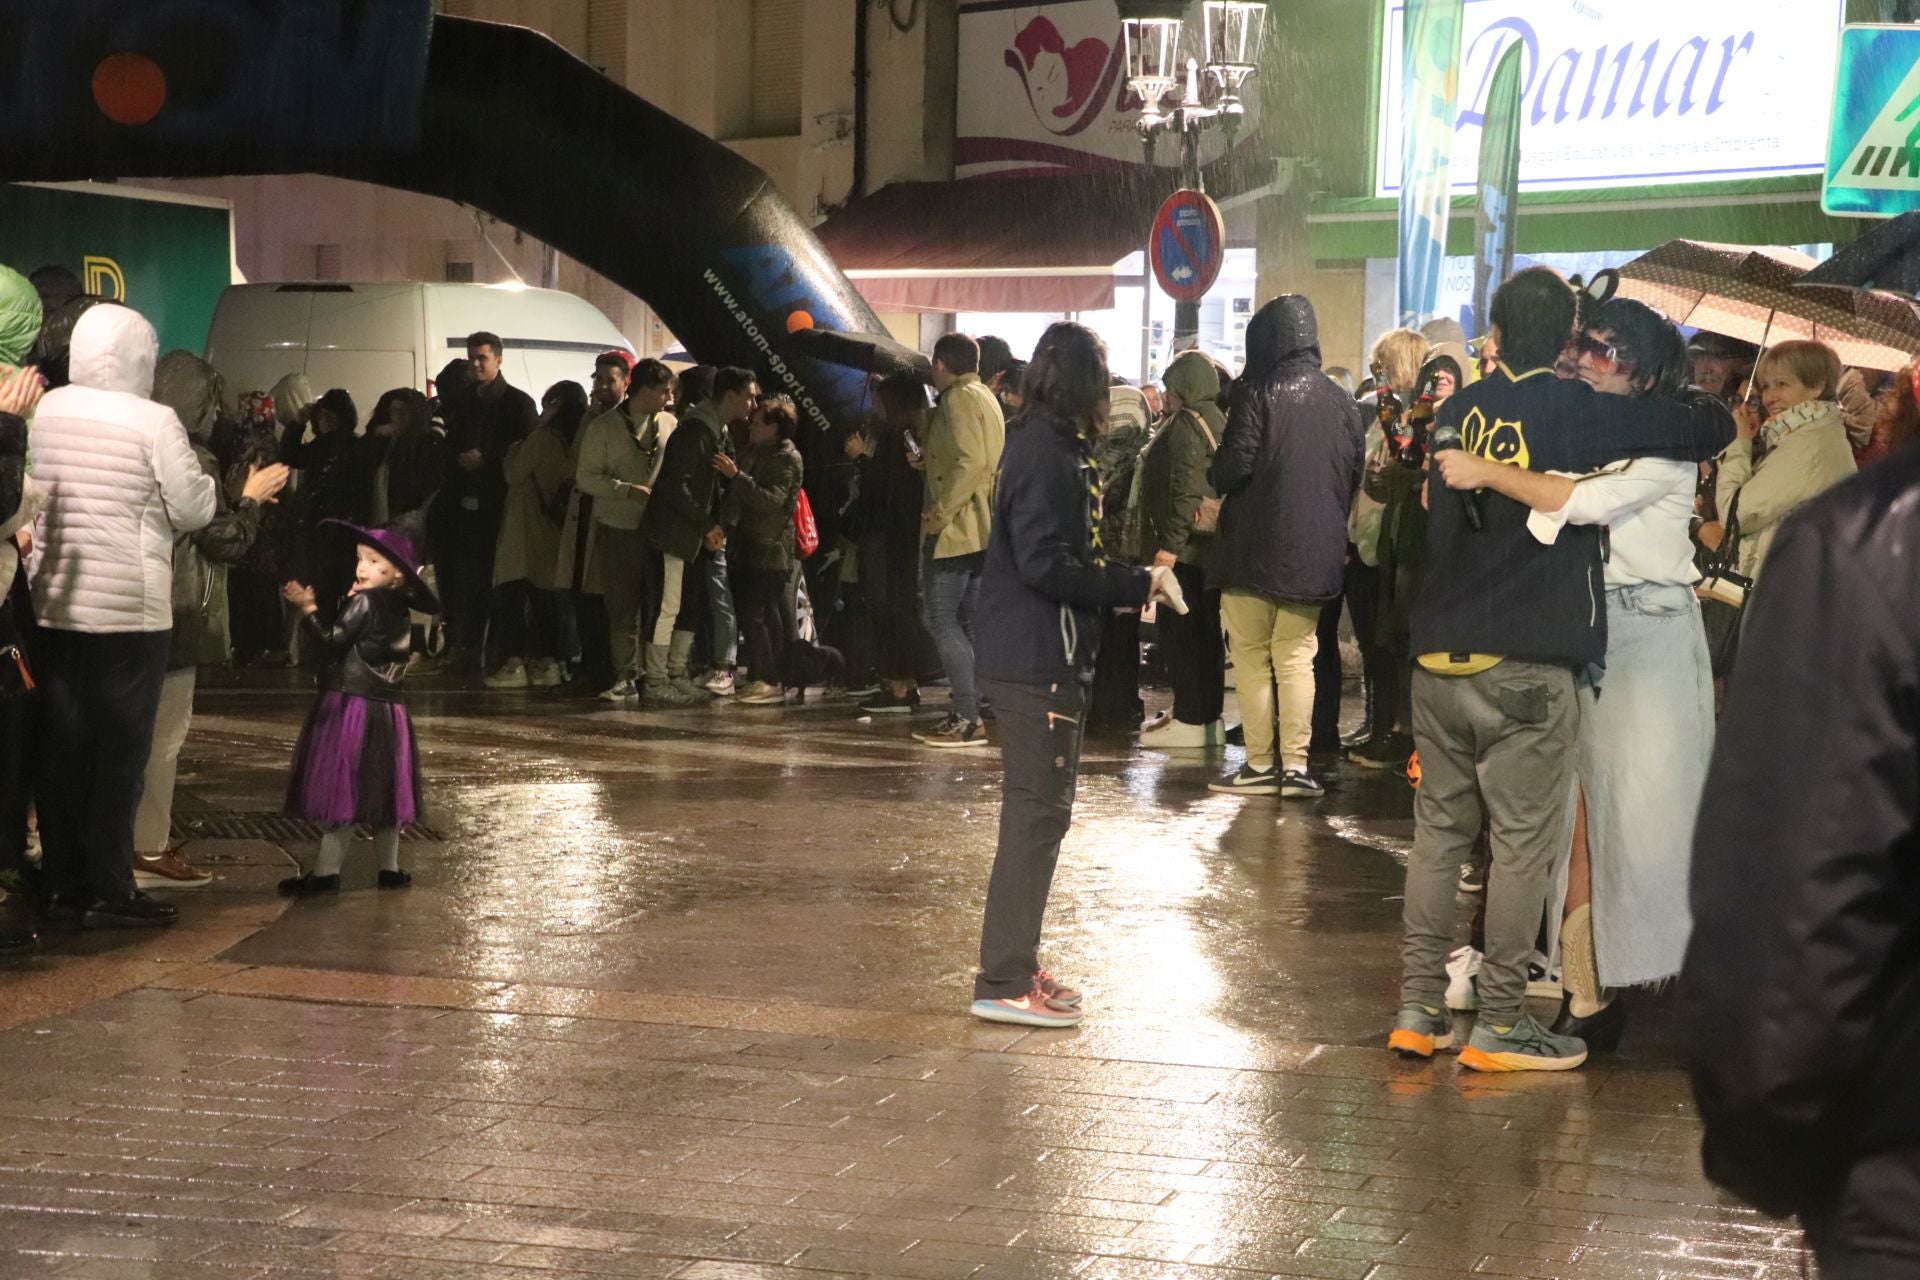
column 122, row 482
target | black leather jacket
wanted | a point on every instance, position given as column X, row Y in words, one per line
column 367, row 645
column 1803, row 974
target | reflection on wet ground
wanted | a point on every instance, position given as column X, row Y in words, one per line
column 683, row 994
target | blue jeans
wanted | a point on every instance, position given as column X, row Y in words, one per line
column 952, row 590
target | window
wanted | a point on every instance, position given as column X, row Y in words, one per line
column 778, row 33
column 459, row 272
column 326, row 262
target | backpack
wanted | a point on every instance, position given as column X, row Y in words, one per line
column 806, row 531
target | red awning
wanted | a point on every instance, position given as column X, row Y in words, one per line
column 995, row 244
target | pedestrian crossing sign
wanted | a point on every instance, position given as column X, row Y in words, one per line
column 1873, row 147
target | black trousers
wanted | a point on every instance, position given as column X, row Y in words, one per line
column 98, row 696
column 529, row 621
column 463, row 559
column 1195, row 649
column 1113, row 704
column 1039, row 728
column 769, row 622
column 254, row 619
column 1327, row 677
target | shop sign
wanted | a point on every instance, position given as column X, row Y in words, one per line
column 1043, row 88
column 1636, row 92
column 1873, row 156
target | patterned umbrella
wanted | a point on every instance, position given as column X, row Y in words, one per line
column 1882, row 329
column 1754, row 295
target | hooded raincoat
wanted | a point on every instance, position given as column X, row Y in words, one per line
column 122, row 482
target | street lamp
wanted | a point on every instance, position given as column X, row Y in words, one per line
column 1168, row 84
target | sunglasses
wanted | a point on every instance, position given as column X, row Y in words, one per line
column 1603, row 356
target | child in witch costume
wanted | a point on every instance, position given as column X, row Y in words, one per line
column 356, row 761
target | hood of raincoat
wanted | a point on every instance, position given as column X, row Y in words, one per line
column 114, row 349
column 188, row 385
column 1283, row 332
column 1196, row 380
column 1127, row 410
column 292, row 397
column 19, row 316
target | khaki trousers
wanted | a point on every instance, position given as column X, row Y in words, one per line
column 1273, row 643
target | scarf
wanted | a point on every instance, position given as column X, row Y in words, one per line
column 1808, row 413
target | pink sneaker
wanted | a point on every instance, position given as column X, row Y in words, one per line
column 1054, row 989
column 1034, row 1009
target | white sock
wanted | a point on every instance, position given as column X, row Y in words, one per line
column 386, row 845
column 333, row 851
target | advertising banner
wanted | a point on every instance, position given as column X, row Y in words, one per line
column 1429, row 92
column 1635, row 92
column 1496, row 213
column 1043, row 86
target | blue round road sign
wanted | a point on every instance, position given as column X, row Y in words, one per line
column 1188, row 245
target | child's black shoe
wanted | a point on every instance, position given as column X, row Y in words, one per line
column 305, row 886
column 396, row 880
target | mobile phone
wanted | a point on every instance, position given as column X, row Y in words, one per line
column 913, row 446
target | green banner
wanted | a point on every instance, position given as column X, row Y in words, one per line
column 1496, row 213
column 166, row 260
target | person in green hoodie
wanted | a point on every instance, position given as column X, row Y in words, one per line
column 1172, row 487
column 20, row 319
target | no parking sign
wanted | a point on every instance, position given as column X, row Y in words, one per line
column 1188, row 245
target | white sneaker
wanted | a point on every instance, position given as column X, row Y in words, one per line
column 545, row 675
column 1463, row 967
column 511, row 675
column 1178, row 735
column 622, row 691
column 1156, row 722
column 762, row 694
column 720, row 683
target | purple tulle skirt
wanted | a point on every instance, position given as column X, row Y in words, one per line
column 356, row 762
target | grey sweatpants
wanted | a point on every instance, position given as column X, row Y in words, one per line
column 1502, row 744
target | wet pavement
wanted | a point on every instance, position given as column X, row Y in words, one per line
column 683, row 994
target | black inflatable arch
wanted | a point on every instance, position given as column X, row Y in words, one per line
column 497, row 117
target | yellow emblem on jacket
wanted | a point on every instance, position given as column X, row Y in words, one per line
column 1503, row 441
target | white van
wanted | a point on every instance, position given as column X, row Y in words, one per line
column 371, row 338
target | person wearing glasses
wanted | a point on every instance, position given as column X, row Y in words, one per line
column 1503, row 629
column 1625, row 921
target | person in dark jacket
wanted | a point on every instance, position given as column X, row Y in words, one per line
column 1503, row 626
column 1171, row 488
column 401, row 462
column 483, row 422
column 1802, row 981
column 685, row 516
column 1044, row 587
column 892, row 497
column 1287, row 470
column 324, row 487
column 765, row 486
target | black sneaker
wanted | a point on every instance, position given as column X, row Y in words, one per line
column 954, row 732
column 1390, row 752
column 890, row 703
column 1300, row 783
column 396, row 879
column 128, row 911
column 1249, row 782
column 1473, row 878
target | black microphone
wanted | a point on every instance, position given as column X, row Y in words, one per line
column 1448, row 437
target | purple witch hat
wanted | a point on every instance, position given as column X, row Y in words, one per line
column 400, row 543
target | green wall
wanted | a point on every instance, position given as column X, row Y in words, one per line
column 173, row 259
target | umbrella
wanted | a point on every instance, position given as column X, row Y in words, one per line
column 1886, row 257
column 1882, row 329
column 1753, row 295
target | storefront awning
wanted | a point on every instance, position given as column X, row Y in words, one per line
column 1046, row 244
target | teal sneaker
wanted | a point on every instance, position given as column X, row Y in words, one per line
column 1420, row 1030
column 1524, row 1046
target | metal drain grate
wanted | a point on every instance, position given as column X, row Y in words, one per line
column 275, row 828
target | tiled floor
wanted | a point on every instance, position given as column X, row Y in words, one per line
column 684, row 997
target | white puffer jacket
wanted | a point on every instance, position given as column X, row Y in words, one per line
column 121, row 481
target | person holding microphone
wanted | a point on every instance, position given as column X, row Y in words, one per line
column 1044, row 587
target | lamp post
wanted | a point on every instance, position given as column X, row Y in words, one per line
column 1167, row 80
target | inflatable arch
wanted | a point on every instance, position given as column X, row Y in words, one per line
column 497, row 117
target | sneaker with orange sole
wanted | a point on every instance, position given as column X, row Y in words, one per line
column 1420, row 1031
column 1524, row 1046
